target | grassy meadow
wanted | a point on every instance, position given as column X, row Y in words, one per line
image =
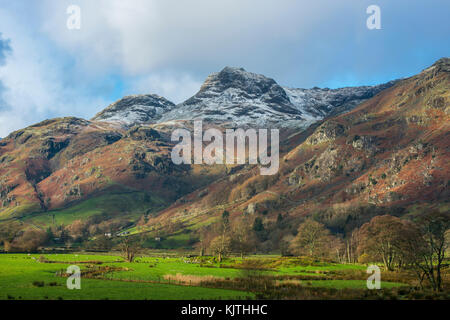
column 42, row 276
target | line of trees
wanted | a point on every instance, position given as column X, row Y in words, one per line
column 239, row 236
column 15, row 236
column 418, row 245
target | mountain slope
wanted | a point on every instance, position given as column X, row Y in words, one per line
column 389, row 155
column 60, row 162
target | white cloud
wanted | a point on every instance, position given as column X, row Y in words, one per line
column 168, row 47
column 35, row 86
column 141, row 36
column 173, row 87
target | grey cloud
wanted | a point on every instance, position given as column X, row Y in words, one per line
column 169, row 47
column 5, row 48
column 298, row 43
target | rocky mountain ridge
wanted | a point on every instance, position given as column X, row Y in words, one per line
column 135, row 109
column 235, row 97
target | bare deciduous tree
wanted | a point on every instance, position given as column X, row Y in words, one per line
column 129, row 248
column 311, row 238
column 379, row 239
column 243, row 237
column 29, row 240
column 424, row 245
column 8, row 232
column 220, row 246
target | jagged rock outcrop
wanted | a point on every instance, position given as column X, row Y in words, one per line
column 328, row 131
column 139, row 133
column 136, row 109
column 235, row 97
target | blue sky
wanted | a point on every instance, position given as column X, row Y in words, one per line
column 168, row 47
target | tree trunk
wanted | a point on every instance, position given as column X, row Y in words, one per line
column 348, row 252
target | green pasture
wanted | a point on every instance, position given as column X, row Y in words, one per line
column 126, row 204
column 19, row 271
column 144, row 278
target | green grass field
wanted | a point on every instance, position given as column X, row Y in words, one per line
column 148, row 277
column 19, row 271
column 125, row 204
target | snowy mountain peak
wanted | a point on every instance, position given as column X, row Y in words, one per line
column 320, row 103
column 136, row 109
column 237, row 78
column 238, row 98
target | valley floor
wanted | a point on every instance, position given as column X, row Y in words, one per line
column 43, row 276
